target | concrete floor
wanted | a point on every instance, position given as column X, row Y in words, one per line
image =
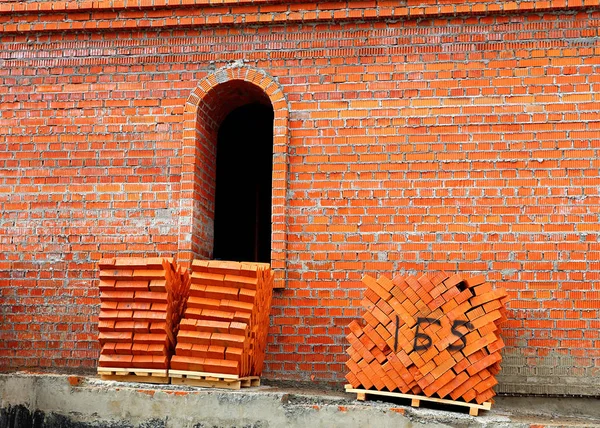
column 56, row 400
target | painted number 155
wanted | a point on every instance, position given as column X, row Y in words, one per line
column 423, row 341
column 427, row 340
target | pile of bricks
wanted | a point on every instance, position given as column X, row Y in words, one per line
column 435, row 337
column 141, row 301
column 225, row 325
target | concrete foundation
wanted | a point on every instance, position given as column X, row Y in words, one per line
column 52, row 400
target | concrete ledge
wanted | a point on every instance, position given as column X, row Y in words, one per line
column 53, row 400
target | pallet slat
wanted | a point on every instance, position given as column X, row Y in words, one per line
column 212, row 380
column 134, row 375
column 125, row 371
column 136, row 378
column 200, row 375
column 361, row 395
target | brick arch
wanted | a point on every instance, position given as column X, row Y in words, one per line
column 216, row 96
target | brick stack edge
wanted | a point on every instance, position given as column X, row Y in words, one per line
column 141, row 302
column 436, row 336
column 154, row 316
column 225, row 326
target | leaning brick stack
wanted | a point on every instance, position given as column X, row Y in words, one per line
column 141, row 303
column 434, row 337
column 225, row 326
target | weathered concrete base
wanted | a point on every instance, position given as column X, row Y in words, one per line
column 52, row 400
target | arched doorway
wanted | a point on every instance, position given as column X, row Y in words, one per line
column 243, row 185
column 208, row 108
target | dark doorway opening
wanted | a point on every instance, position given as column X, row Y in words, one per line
column 244, row 185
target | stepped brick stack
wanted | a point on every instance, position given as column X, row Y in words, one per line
column 438, row 337
column 225, row 326
column 142, row 301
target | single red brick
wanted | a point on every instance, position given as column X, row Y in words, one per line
column 238, row 328
column 130, row 262
column 199, row 337
column 180, row 362
column 106, row 325
column 108, row 348
column 234, row 354
column 150, row 296
column 144, row 306
column 131, row 285
column 107, row 285
column 116, row 361
column 483, row 363
column 473, row 281
column 124, row 326
column 212, row 326
column 158, row 327
column 205, row 278
column 150, row 338
column 247, row 295
column 106, row 263
column 115, row 274
column 216, row 352
column 378, row 289
column 75, row 380
column 104, row 305
column 116, row 337
column 224, row 267
column 203, row 303
column 141, row 327
column 123, row 348
column 237, row 281
column 148, row 274
column 187, row 324
column 234, row 305
column 139, row 349
column 124, row 315
column 226, row 340
column 158, row 285
column 117, row 296
column 148, row 316
column 184, row 349
column 142, row 361
column 157, row 349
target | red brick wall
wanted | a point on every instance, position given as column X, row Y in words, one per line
column 467, row 143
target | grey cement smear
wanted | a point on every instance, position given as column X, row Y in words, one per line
column 51, row 401
column 555, row 374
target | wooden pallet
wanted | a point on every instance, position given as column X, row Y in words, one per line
column 212, row 380
column 134, row 375
column 415, row 400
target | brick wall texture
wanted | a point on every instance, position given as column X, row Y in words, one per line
column 409, row 137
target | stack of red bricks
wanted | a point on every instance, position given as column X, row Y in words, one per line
column 224, row 329
column 438, row 337
column 141, row 301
